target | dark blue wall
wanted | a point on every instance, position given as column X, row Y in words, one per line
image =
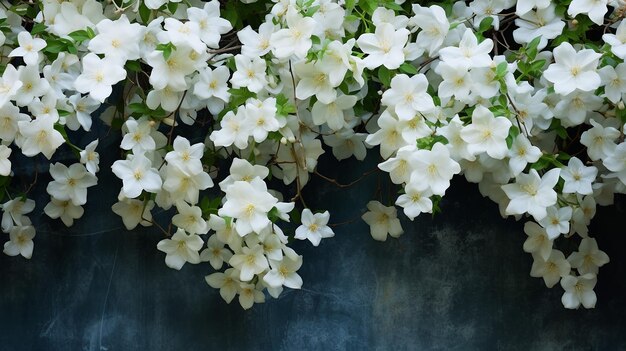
column 458, row 282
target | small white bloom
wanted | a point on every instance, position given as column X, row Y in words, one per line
column 532, row 193
column 137, row 175
column 579, row 290
column 180, row 249
column 21, row 241
column 314, row 227
column 382, row 220
column 552, row 269
column 588, row 258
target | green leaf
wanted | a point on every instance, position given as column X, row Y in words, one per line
column 501, row 69
column 80, row 35
column 133, row 66
column 172, row 7
column 485, row 24
column 384, row 75
column 393, row 6
column 37, row 28
column 408, row 68
column 167, row 49
column 144, row 13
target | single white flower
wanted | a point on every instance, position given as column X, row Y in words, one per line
column 595, row 9
column 215, row 253
column 295, row 39
column 190, row 219
column 415, row 201
column 552, row 269
column 538, row 241
column 5, row 163
column 573, row 70
column 556, row 221
column 98, row 76
column 14, row 211
column 134, row 212
column 578, row 178
column 532, row 193
column 314, row 227
column 433, row 169
column 21, row 241
column 29, row 48
column 137, row 175
column 70, row 183
column 382, row 220
column 579, row 290
column 522, row 152
column 228, row 283
column 469, row 53
column 617, row 41
column 90, row 158
column 180, row 249
column 588, row 258
column 599, row 140
column 487, row 133
column 39, row 136
column 283, row 272
column 248, row 203
column 249, row 261
column 408, row 96
column 384, row 47
column 63, row 209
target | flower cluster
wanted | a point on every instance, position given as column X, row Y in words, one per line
column 217, row 106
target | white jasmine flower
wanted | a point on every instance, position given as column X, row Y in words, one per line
column 578, row 178
column 401, row 166
column 616, row 162
column 588, row 258
column 556, row 221
column 212, row 85
column 296, row 38
column 434, row 26
column 456, row 81
column 29, row 48
column 382, row 220
column 215, row 253
column 542, row 23
column 532, row 193
column 185, row 156
column 538, row 241
column 415, row 201
column 180, row 249
column 98, row 76
column 614, row 82
column 210, row 24
column 552, row 269
column 5, row 163
column 117, row 40
column 384, row 47
column 314, row 227
column 182, row 33
column 595, row 9
column 408, row 96
column 39, row 136
column 233, row 130
column 90, row 158
column 573, row 70
column 334, row 113
column 261, row 115
column 315, row 80
column 256, row 44
column 228, row 283
column 137, row 175
column 522, row 152
column 433, row 169
column 250, row 73
column 249, row 204
column 486, row 133
column 190, row 219
column 284, row 273
column 138, row 137
column 579, row 290
column 32, row 85
column 83, row 108
column 470, row 53
column 134, row 212
column 523, row 6
column 617, row 41
column 70, row 183
column 242, row 170
column 249, row 262
column 600, row 141
column 21, row 241
column 171, row 72
column 63, row 209
column 248, row 295
column 184, row 184
column 389, row 136
column 14, row 211
column 10, row 84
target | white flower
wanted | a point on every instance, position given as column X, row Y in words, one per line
column 182, row 33
column 389, row 136
column 523, row 6
column 315, row 80
column 532, row 193
column 10, row 84
column 29, row 48
column 90, row 158
column 408, row 96
column 33, row 85
column 250, row 73
column 552, row 269
column 314, row 227
column 401, row 166
column 384, row 47
column 171, row 72
column 434, row 25
column 433, row 169
column 14, row 211
column 70, row 183
column 249, row 204
column 243, row 170
column 185, row 185
column 39, row 136
column 614, row 81
column 573, row 70
column 522, row 152
column 134, row 212
column 83, row 108
column 486, row 133
column 190, row 219
column 599, row 140
column 578, row 178
column 185, row 156
column 537, row 241
column 10, row 116
column 334, row 114
column 212, row 85
column 248, row 295
column 261, row 115
column 210, row 24
column 98, row 76
column 415, row 201
column 215, row 253
column 588, row 258
column 295, row 39
column 382, row 220
column 180, row 249
column 228, row 283
column 579, row 290
column 556, row 221
column 617, row 40
column 249, row 262
column 117, row 40
column 456, row 81
column 21, row 241
column 542, row 23
column 595, row 9
column 233, row 130
column 616, row 162
column 469, row 54
column 137, row 175
column 284, row 273
column 5, row 163
column 63, row 209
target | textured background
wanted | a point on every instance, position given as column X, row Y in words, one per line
column 458, row 281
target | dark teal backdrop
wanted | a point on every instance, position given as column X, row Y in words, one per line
column 459, row 281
